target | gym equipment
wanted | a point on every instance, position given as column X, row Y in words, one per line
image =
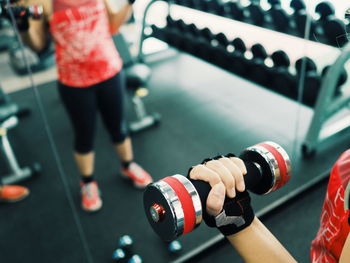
column 222, row 39
column 36, row 61
column 235, row 10
column 301, row 17
column 279, row 16
column 283, row 81
column 341, row 81
column 238, row 63
column 333, row 27
column 256, row 13
column 9, row 112
column 175, row 205
column 327, row 106
column 216, row 7
column 126, row 243
column 119, row 255
column 137, row 76
column 135, row 259
column 6, row 34
column 297, row 5
column 174, row 247
column 260, row 72
column 312, row 80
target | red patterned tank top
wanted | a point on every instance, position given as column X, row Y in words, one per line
column 334, row 229
column 85, row 51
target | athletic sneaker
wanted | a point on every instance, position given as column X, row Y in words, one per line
column 90, row 197
column 138, row 175
column 13, row 193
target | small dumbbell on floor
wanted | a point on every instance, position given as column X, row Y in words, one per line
column 175, row 205
column 125, row 253
column 174, row 247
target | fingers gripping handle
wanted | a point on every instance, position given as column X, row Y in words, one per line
column 251, row 180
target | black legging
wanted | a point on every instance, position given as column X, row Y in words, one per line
column 82, row 105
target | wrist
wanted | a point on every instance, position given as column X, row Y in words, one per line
column 246, row 231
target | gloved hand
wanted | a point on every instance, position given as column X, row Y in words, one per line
column 22, row 24
column 225, row 175
column 236, row 215
column 21, row 15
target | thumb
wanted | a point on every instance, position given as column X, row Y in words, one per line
column 216, row 198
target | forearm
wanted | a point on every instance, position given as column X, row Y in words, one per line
column 118, row 17
column 33, row 41
column 257, row 244
column 36, row 36
column 345, row 255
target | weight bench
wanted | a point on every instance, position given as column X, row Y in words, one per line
column 9, row 113
column 137, row 77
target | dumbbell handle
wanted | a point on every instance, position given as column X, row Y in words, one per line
column 251, row 179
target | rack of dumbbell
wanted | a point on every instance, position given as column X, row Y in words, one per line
column 280, row 76
column 322, row 89
column 326, row 28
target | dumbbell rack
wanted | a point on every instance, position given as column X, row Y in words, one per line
column 325, row 108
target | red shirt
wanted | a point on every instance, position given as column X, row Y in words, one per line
column 334, row 227
column 85, row 51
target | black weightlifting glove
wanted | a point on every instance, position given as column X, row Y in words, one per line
column 21, row 15
column 22, row 24
column 237, row 213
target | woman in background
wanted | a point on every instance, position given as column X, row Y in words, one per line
column 90, row 79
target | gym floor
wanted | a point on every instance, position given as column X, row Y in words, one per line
column 205, row 111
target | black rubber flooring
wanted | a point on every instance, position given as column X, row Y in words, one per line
column 205, row 111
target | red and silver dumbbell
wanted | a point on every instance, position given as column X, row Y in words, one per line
column 174, row 205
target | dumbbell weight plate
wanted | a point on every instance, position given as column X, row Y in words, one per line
column 260, row 73
column 335, row 31
column 257, row 14
column 170, row 22
column 220, row 58
column 311, row 90
column 172, row 207
column 158, row 33
column 341, row 81
column 274, row 161
column 188, row 43
column 284, row 83
column 206, row 34
column 280, row 18
column 325, row 9
column 192, row 29
column 297, row 5
column 235, row 11
column 239, row 64
column 222, row 39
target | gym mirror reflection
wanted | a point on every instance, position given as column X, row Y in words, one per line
column 175, row 83
column 36, row 204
